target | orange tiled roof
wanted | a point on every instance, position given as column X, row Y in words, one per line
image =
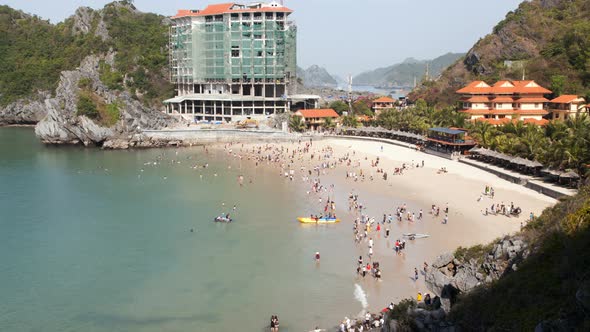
column 478, row 99
column 504, row 87
column 494, row 122
column 384, row 100
column 503, row 100
column 505, row 112
column 533, row 100
column 223, row 8
column 318, row 113
column 476, row 87
column 566, row 99
column 541, row 122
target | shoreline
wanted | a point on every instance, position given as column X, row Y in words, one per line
column 418, row 188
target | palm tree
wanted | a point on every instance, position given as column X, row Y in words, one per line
column 297, row 124
column 350, row 121
column 329, row 123
column 483, row 131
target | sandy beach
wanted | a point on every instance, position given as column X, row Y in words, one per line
column 418, row 188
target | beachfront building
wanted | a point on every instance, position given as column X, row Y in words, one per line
column 567, row 106
column 232, row 61
column 449, row 140
column 381, row 104
column 315, row 119
column 505, row 101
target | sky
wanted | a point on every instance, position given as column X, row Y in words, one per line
column 346, row 37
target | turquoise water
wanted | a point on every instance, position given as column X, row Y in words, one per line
column 89, row 242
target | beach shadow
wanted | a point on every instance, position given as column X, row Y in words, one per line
column 115, row 321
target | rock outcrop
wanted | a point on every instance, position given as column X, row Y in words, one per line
column 25, row 111
column 62, row 125
column 84, row 23
column 449, row 276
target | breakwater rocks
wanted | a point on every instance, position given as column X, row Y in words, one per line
column 64, row 124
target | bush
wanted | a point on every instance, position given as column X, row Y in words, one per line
column 111, row 115
column 86, row 106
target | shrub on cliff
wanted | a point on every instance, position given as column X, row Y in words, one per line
column 550, row 287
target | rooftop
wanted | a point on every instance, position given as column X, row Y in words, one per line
column 504, row 87
column 449, row 131
column 318, row 113
column 566, row 99
column 232, row 7
column 384, row 100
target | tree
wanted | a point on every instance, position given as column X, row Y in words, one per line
column 482, row 131
column 329, row 123
column 558, row 85
column 296, row 123
column 350, row 121
column 86, row 106
column 360, row 107
column 339, row 106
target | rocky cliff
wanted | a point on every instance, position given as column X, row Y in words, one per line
column 64, row 125
column 97, row 78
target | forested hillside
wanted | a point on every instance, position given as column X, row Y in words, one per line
column 546, row 40
column 34, row 52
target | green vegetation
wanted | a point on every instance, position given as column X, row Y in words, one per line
column 362, row 107
column 477, row 252
column 420, row 118
column 552, row 38
column 546, row 284
column 561, row 144
column 329, row 123
column 297, row 124
column 35, row 52
column 350, row 121
column 339, row 106
column 94, row 107
column 113, row 79
column 86, row 105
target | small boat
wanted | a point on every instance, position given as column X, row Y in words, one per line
column 413, row 236
column 318, row 221
column 222, row 219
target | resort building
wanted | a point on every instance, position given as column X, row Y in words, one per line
column 232, row 61
column 316, row 119
column 567, row 106
column 382, row 104
column 505, row 101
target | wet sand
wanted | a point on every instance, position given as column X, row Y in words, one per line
column 418, row 188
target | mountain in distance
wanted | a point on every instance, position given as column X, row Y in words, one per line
column 546, row 40
column 316, row 76
column 403, row 74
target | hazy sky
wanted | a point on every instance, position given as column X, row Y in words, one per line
column 347, row 36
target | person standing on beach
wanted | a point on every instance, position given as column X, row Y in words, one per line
column 415, row 274
column 446, row 219
column 317, row 256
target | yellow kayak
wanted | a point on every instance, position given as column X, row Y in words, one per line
column 318, row 221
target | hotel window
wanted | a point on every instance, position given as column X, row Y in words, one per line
column 536, row 105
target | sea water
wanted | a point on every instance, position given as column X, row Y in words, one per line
column 94, row 240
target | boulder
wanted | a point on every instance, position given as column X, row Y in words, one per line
column 436, row 281
column 443, row 260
